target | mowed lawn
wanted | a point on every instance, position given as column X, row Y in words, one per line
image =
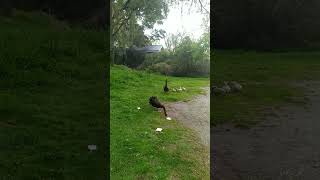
column 137, row 151
column 52, row 99
column 268, row 82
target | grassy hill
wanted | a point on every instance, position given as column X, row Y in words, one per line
column 268, row 80
column 137, row 151
column 52, row 99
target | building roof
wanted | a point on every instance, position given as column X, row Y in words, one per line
column 150, row 49
column 153, row 48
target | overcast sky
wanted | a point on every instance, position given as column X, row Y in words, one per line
column 187, row 22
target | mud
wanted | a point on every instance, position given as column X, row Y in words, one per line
column 284, row 146
column 194, row 114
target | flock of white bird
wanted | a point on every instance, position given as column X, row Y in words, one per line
column 228, row 87
column 179, row 89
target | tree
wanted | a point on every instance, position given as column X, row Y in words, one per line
column 131, row 17
column 172, row 41
column 5, row 7
column 266, row 25
column 127, row 15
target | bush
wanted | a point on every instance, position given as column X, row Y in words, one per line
column 162, row 68
column 154, row 58
column 128, row 57
column 188, row 58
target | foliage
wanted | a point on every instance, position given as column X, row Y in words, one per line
column 186, row 58
column 150, row 59
column 268, row 81
column 66, row 10
column 131, row 17
column 135, row 146
column 52, row 99
column 266, row 25
column 161, row 67
column 172, row 41
column 202, row 6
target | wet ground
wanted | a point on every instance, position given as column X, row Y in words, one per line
column 284, row 146
column 194, row 114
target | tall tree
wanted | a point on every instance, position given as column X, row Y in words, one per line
column 264, row 25
column 131, row 17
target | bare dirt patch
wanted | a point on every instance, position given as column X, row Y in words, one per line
column 194, row 114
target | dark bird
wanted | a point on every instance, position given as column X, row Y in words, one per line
column 235, row 87
column 165, row 88
column 218, row 91
column 153, row 100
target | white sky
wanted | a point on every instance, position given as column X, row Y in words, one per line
column 187, row 22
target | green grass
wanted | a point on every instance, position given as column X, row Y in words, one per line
column 267, row 78
column 52, row 99
column 137, row 151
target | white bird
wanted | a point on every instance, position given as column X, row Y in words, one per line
column 184, row 88
column 180, row 89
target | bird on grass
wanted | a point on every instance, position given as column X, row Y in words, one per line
column 153, row 100
column 218, row 91
column 165, row 88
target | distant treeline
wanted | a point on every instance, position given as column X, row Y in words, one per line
column 266, row 25
column 186, row 57
column 89, row 12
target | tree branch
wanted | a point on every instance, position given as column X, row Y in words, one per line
column 125, row 6
column 122, row 23
column 202, row 7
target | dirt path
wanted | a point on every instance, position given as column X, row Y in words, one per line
column 285, row 146
column 194, row 114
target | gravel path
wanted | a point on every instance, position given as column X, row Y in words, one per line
column 194, row 114
column 285, row 146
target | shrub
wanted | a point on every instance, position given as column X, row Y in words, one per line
column 187, row 58
column 161, row 67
